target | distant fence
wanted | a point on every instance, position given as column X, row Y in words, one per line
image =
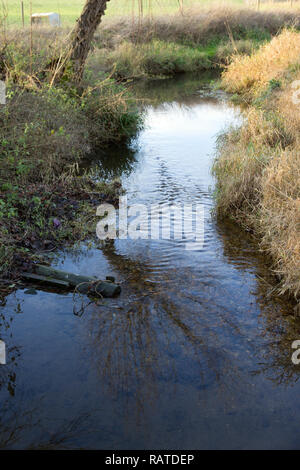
column 18, row 12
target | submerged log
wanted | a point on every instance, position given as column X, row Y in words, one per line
column 83, row 284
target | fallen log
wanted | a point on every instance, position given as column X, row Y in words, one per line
column 83, row 284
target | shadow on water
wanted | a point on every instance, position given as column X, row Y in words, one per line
column 278, row 324
column 196, row 352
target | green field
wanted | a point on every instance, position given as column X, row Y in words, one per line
column 70, row 9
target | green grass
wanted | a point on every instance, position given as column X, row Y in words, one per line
column 157, row 58
column 71, row 9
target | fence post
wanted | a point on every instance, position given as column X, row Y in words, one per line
column 22, row 10
column 181, row 6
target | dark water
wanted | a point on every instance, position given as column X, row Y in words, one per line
column 195, row 353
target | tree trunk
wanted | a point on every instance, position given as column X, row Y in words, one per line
column 83, row 34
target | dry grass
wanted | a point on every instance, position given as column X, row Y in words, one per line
column 252, row 74
column 198, row 26
column 280, row 217
column 258, row 168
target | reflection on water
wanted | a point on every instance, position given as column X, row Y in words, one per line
column 196, row 353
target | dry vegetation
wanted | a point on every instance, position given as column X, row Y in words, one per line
column 258, row 169
column 251, row 75
column 198, row 26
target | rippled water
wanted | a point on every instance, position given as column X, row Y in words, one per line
column 195, row 353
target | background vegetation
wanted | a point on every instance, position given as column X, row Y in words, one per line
column 71, row 9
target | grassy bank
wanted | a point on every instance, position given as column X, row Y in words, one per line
column 199, row 40
column 258, row 168
column 45, row 200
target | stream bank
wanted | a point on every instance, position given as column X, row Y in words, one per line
column 258, row 166
column 195, row 353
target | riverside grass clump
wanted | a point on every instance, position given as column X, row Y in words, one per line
column 157, row 58
column 46, row 201
column 251, row 75
column 258, row 166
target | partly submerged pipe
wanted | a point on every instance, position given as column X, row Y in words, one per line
column 83, row 284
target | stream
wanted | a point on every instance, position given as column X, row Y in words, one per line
column 194, row 354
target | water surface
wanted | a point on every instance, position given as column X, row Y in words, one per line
column 195, row 353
